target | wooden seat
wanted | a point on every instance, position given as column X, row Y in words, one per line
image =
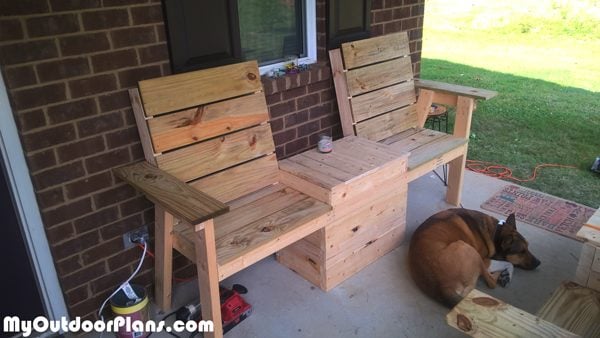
column 377, row 100
column 213, row 176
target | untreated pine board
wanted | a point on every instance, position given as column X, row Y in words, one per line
column 200, row 123
column 309, row 175
column 476, row 93
column 366, row 79
column 420, row 138
column 341, row 88
column 182, row 91
column 142, row 126
column 383, row 100
column 363, row 52
column 481, row 315
column 240, row 180
column 210, row 156
column 175, row 196
column 574, row 308
column 386, row 125
column 305, row 259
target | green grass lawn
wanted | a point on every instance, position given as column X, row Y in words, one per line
column 548, row 80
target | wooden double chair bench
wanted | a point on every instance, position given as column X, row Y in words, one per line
column 224, row 201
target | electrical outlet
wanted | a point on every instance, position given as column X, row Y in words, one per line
column 135, row 236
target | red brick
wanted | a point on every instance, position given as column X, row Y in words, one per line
column 137, row 152
column 84, row 275
column 41, row 160
column 137, row 204
column 308, row 128
column 308, row 101
column 146, row 14
column 52, row 25
column 133, row 36
column 415, row 34
column 114, row 195
column 112, row 280
column 145, row 276
column 402, row 12
column 410, row 2
column 77, row 295
column 109, row 3
column 129, row 78
column 154, row 53
column 296, row 118
column 100, row 124
column 67, row 212
column 124, row 258
column 391, row 27
column 318, row 86
column 394, row 3
column 84, row 43
column 107, row 160
column 92, row 85
column 114, row 60
column 120, row 227
column 60, row 233
column 50, row 198
column 80, row 149
column 57, row 175
column 22, row 7
column 276, row 125
column 19, row 76
column 382, row 16
column 376, row 30
column 274, row 98
column 280, row 152
column 296, row 146
column 122, row 137
column 72, row 110
column 161, row 33
column 31, row 120
column 88, row 308
column 105, row 19
column 69, row 265
column 61, row 69
column 69, row 5
column 114, row 101
column 292, row 93
column 48, row 137
column 22, row 52
column 39, row 96
column 284, row 136
column 96, row 220
column 88, row 185
column 10, row 29
column 377, row 4
column 282, row 108
column 319, row 111
column 330, row 120
column 408, row 24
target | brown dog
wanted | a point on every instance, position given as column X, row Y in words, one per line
column 452, row 248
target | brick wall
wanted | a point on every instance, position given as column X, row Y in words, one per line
column 68, row 64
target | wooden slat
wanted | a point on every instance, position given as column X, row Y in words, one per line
column 423, row 106
column 456, row 169
column 310, row 175
column 240, row 180
column 481, row 315
column 432, row 150
column 476, row 93
column 163, row 257
column 142, row 126
column 425, row 167
column 239, row 249
column 216, row 154
column 574, row 308
column 349, row 164
column 362, row 80
column 341, row 89
column 204, row 122
column 176, row 197
column 383, row 100
column 322, row 169
column 418, row 139
column 305, row 259
column 186, row 90
column 386, row 125
column 464, row 113
column 377, row 49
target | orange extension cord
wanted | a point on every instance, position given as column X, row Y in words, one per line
column 178, row 280
column 500, row 171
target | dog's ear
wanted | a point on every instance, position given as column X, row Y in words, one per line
column 511, row 222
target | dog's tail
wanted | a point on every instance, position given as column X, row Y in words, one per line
column 450, row 298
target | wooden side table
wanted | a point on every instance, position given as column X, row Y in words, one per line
column 365, row 183
column 588, row 269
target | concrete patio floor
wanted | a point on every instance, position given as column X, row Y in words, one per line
column 382, row 299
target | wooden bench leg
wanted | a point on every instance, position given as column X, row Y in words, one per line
column 208, row 278
column 163, row 248
column 456, row 171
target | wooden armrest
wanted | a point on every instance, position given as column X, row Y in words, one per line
column 184, row 202
column 476, row 93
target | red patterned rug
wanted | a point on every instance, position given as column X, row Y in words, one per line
column 545, row 211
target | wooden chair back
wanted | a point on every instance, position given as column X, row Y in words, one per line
column 377, row 76
column 209, row 128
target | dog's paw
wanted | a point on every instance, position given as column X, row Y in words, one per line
column 504, row 278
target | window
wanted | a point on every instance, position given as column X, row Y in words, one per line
column 348, row 20
column 209, row 33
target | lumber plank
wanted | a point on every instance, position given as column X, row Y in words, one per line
column 380, row 75
column 417, row 139
column 456, row 169
column 481, row 315
column 308, row 174
column 176, row 197
column 322, row 169
column 210, row 156
column 240, row 180
column 341, row 88
column 363, row 52
column 200, row 123
column 349, row 164
column 475, row 93
column 430, row 150
column 419, row 168
column 305, row 259
column 186, row 90
column 163, row 257
column 384, row 100
column 464, row 113
column 142, row 126
column 312, row 189
column 574, row 308
column 423, row 106
column 386, row 125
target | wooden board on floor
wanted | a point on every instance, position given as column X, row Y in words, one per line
column 481, row 315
